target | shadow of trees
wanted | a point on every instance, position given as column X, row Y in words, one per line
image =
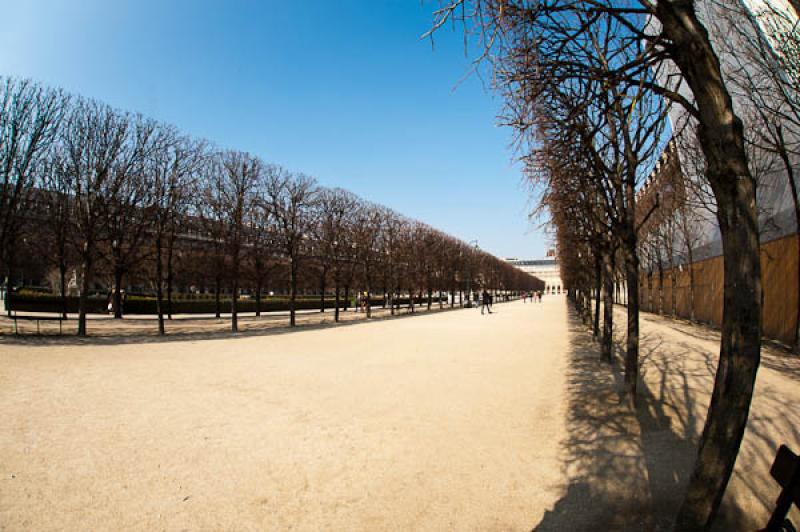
column 603, row 458
column 628, row 466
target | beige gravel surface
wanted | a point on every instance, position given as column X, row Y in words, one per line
column 441, row 421
column 448, row 421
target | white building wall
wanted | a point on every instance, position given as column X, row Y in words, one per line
column 548, row 270
column 775, row 202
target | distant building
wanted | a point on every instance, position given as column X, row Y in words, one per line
column 546, row 269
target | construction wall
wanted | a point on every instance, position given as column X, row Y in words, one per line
column 779, row 270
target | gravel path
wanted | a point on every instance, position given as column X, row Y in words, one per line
column 444, row 421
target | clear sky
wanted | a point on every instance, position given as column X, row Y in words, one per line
column 343, row 90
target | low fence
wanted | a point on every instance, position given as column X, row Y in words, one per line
column 779, row 274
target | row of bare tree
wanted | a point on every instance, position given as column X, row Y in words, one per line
column 111, row 194
column 588, row 86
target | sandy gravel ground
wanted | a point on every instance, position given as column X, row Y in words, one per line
column 678, row 365
column 447, row 421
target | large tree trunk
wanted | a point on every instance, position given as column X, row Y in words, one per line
column 738, row 362
column 721, row 136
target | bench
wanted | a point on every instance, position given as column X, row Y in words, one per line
column 786, row 471
column 60, row 319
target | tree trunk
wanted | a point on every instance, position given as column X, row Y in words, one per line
column 598, row 285
column 336, row 309
column 632, row 341
column 259, row 289
column 322, row 292
column 430, row 298
column 84, row 295
column 170, row 274
column 159, row 287
column 660, row 289
column 721, row 136
column 117, row 293
column 235, row 300
column 346, row 297
column 738, row 362
column 292, row 293
column 217, row 303
column 62, row 274
column 608, row 305
column 673, row 275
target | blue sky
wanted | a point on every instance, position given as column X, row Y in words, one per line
column 342, row 90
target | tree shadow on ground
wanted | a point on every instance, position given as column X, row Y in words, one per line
column 628, row 466
column 677, row 380
column 604, row 465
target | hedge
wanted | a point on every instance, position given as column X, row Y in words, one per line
column 138, row 305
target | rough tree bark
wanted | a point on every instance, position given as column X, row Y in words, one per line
column 721, row 137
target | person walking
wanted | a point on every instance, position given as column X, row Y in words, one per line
column 486, row 302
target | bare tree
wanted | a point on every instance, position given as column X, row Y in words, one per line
column 334, row 234
column 229, row 199
column 671, row 36
column 94, row 138
column 173, row 166
column 29, row 121
column 292, row 198
column 126, row 198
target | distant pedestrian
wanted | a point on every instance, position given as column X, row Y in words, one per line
column 486, row 302
column 524, row 297
column 539, row 293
